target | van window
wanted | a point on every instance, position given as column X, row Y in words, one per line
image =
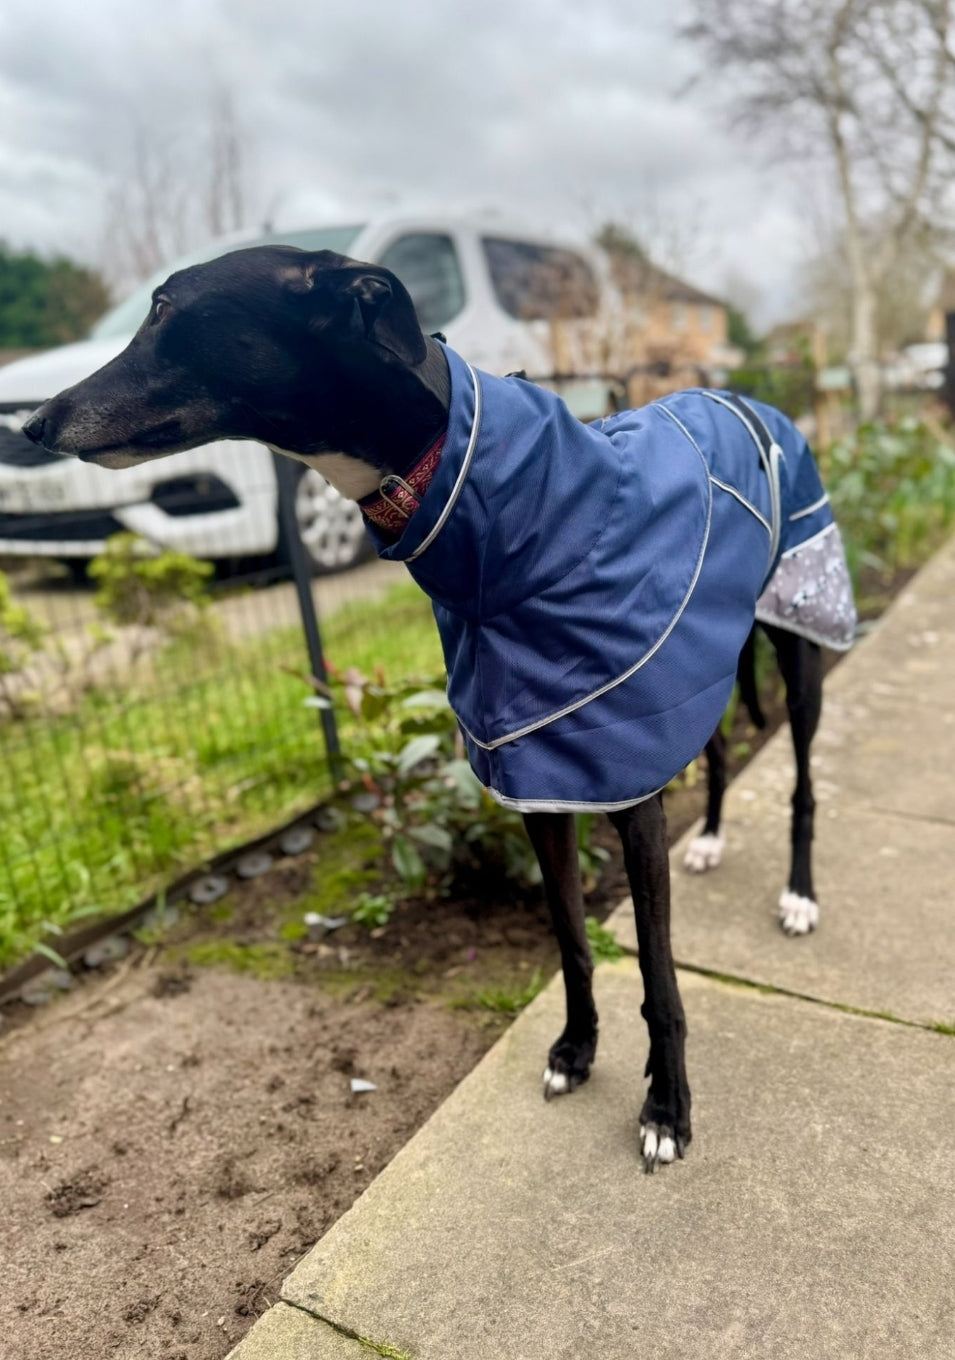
column 427, row 265
column 533, row 282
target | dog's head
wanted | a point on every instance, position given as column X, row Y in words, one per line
column 275, row 344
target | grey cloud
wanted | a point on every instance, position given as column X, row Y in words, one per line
column 557, row 112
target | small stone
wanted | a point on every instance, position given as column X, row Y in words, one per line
column 254, row 864
column 106, row 951
column 366, row 801
column 163, row 915
column 63, row 980
column 359, row 1085
column 208, row 889
column 296, row 840
column 37, row 993
column 318, row 925
column 329, row 819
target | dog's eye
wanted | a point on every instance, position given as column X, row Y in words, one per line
column 160, row 309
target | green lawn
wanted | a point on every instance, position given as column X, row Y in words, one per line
column 209, row 746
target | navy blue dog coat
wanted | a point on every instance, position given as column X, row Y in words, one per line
column 593, row 584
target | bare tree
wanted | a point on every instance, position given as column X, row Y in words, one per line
column 226, row 186
column 903, row 296
column 175, row 194
column 864, row 87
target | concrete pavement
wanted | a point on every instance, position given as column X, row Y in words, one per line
column 813, row 1214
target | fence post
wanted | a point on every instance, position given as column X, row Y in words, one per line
column 286, row 475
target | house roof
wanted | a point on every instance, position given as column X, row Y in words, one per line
column 634, row 274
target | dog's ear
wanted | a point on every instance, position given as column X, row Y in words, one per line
column 384, row 313
column 367, row 302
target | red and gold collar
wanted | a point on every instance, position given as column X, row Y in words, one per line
column 399, row 497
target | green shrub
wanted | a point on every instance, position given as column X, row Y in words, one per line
column 372, row 910
column 138, row 585
column 436, row 819
column 892, row 487
column 20, row 632
column 603, row 943
column 790, row 389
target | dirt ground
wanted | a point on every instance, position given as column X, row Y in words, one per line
column 173, row 1137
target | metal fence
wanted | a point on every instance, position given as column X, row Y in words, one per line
column 136, row 742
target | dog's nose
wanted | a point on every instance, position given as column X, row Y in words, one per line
column 35, row 426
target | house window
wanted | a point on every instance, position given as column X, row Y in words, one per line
column 678, row 316
column 706, row 317
column 427, row 264
column 533, row 282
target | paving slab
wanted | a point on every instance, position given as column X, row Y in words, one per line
column 811, row 1218
column 285, row 1333
column 886, row 938
column 884, row 776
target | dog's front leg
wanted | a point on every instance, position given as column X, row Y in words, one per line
column 554, row 838
column 665, row 1119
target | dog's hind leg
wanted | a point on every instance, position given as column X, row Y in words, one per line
column 800, row 662
column 665, row 1119
column 706, row 850
column 554, row 838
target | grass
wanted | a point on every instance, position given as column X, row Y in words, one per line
column 506, row 1000
column 603, row 943
column 211, row 746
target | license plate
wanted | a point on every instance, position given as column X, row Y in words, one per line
column 18, row 494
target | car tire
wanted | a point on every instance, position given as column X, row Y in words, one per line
column 330, row 527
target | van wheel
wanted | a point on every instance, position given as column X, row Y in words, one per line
column 330, row 527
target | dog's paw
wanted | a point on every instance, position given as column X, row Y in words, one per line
column 557, row 1083
column 703, row 852
column 568, row 1065
column 659, row 1145
column 797, row 915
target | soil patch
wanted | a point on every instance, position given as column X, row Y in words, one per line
column 165, row 1160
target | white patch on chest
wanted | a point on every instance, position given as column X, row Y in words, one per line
column 349, row 476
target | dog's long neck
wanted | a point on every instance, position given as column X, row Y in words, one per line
column 389, row 434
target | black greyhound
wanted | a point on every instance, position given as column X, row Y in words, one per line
column 322, row 358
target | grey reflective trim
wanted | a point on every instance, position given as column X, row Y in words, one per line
column 775, row 491
column 743, row 501
column 798, row 547
column 620, row 679
column 568, row 805
column 462, row 474
column 770, row 465
column 811, row 509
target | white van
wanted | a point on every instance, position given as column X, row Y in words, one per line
column 500, row 297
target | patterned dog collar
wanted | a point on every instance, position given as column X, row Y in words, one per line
column 399, row 497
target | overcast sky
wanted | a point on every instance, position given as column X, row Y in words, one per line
column 567, row 114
